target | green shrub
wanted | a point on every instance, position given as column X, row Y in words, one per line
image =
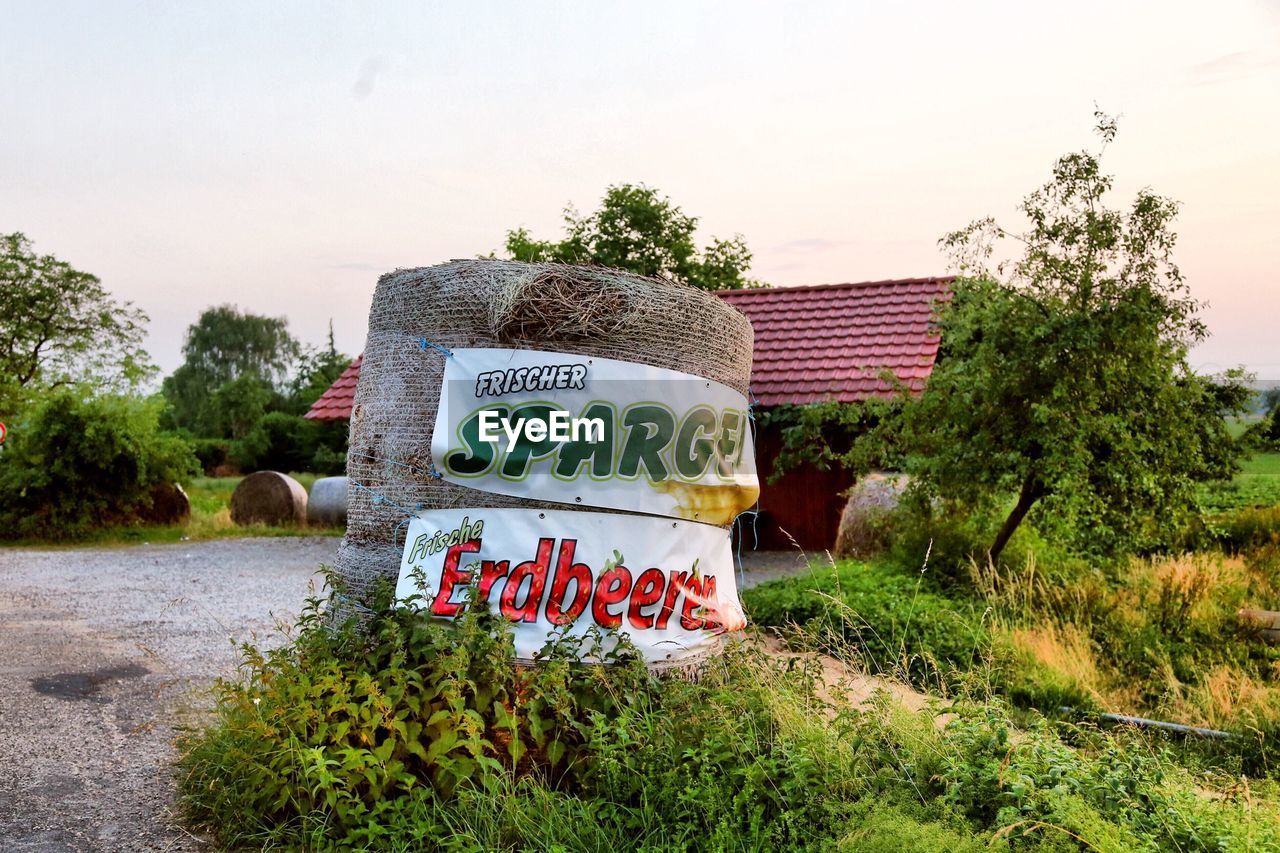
column 277, row 442
column 285, row 442
column 211, row 452
column 1247, row 529
column 426, row 735
column 897, row 622
column 75, row 464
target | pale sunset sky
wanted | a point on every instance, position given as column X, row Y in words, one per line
column 279, row 156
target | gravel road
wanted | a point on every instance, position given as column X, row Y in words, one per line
column 105, row 653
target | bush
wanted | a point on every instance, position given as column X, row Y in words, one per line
column 213, row 453
column 73, row 465
column 277, row 442
column 1247, row 529
column 427, row 735
column 285, row 442
column 359, row 736
column 897, row 622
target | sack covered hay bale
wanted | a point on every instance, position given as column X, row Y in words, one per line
column 269, row 497
column 863, row 529
column 169, row 505
column 579, row 310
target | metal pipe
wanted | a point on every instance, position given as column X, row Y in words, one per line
column 1144, row 723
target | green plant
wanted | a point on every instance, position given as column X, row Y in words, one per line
column 895, row 621
column 77, row 463
column 278, row 442
column 639, row 230
column 212, row 453
column 412, row 734
column 343, row 719
column 1063, row 376
column 58, row 325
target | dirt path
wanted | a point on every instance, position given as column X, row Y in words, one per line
column 100, row 652
column 105, row 651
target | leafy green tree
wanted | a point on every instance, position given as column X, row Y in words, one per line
column 1064, row 377
column 237, row 404
column 317, row 370
column 639, row 230
column 59, row 326
column 229, row 353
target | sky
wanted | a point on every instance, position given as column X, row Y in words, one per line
column 280, row 156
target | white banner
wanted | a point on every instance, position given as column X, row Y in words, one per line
column 596, row 432
column 668, row 585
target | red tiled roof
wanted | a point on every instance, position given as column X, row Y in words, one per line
column 823, row 342
column 833, row 341
column 335, row 404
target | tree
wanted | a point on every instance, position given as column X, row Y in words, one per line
column 59, row 326
column 638, row 230
column 234, row 363
column 1063, row 378
column 317, row 370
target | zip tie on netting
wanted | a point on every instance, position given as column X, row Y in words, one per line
column 432, row 472
column 383, row 499
column 395, row 534
column 423, row 343
column 409, row 515
column 755, row 540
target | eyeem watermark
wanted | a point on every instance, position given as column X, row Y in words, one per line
column 558, row 426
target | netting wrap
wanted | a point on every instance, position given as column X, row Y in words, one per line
column 485, row 303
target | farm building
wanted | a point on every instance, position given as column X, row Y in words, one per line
column 823, row 342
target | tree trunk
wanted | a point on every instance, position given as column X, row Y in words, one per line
column 1031, row 492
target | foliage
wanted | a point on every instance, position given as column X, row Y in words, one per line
column 250, row 405
column 420, row 734
column 1063, row 377
column 75, row 463
column 234, row 364
column 284, row 442
column 212, row 453
column 59, row 326
column 317, row 369
column 639, row 230
column 849, row 435
column 1155, row 637
column 897, row 623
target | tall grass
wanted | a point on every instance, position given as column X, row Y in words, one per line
column 416, row 734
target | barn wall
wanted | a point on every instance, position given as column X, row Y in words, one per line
column 805, row 502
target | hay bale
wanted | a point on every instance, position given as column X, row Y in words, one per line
column 269, row 497
column 486, row 303
column 862, row 523
column 1265, row 622
column 169, row 505
column 327, row 503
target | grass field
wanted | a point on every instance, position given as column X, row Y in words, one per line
column 1257, row 484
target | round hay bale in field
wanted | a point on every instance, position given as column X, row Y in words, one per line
column 269, row 497
column 327, row 503
column 579, row 310
column 862, row 523
column 169, row 505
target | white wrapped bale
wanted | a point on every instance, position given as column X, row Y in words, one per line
column 327, row 503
